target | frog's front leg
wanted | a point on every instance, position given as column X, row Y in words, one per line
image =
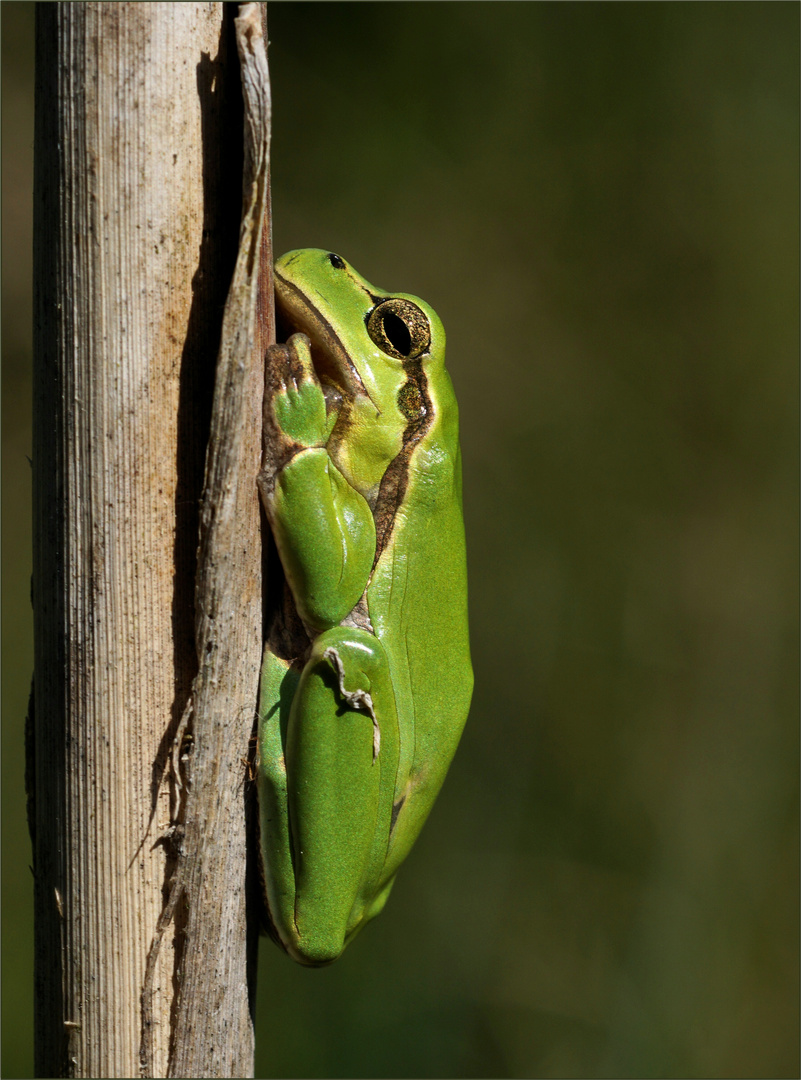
column 329, row 749
column 323, row 528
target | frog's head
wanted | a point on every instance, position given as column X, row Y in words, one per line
column 375, row 351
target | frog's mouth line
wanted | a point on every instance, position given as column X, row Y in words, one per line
column 331, row 360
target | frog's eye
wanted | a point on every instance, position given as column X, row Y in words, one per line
column 399, row 328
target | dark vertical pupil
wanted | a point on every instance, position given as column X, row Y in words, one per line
column 397, row 333
column 336, row 262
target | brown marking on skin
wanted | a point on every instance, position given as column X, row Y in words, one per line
column 277, row 448
column 292, row 301
column 283, row 369
column 396, row 809
column 416, row 405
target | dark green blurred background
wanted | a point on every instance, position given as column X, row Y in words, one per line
column 601, row 201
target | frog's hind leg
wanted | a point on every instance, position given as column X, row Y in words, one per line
column 341, row 767
column 279, row 682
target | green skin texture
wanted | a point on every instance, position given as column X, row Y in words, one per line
column 357, row 732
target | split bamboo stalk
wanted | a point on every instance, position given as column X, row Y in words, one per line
column 138, row 197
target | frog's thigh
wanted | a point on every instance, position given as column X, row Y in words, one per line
column 325, row 534
column 340, row 790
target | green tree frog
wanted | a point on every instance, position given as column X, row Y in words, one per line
column 366, row 679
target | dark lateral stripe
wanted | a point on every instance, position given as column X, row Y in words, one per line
column 396, row 809
column 395, row 480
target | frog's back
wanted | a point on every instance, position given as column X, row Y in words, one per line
column 418, row 606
